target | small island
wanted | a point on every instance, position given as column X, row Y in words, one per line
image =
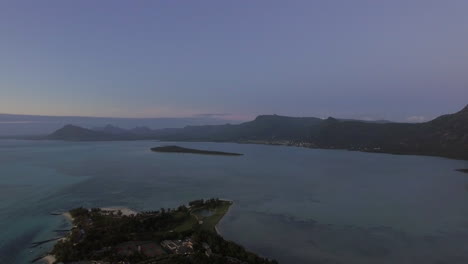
column 186, row 234
column 462, row 170
column 177, row 149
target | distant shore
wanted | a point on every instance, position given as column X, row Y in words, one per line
column 50, row 259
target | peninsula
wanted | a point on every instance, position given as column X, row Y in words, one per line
column 186, row 234
column 177, row 149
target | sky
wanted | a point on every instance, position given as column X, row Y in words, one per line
column 398, row 60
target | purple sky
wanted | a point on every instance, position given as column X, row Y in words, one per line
column 398, row 59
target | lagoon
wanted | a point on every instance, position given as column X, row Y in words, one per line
column 293, row 204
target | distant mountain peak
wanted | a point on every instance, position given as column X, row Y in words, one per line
column 465, row 110
column 141, row 130
column 70, row 127
column 72, row 132
column 265, row 117
column 462, row 114
column 276, row 117
column 110, row 129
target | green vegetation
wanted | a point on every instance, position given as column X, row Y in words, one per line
column 110, row 236
column 218, row 212
column 177, row 149
column 76, row 133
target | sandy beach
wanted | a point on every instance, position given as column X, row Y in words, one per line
column 49, row 259
column 68, row 216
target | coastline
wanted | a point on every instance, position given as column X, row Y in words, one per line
column 225, row 214
column 50, row 258
column 68, row 216
column 189, row 236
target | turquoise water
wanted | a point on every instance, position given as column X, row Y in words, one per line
column 296, row 205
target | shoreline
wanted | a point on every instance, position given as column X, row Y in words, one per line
column 227, row 212
column 68, row 216
column 50, row 258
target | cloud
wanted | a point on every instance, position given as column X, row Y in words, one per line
column 416, row 119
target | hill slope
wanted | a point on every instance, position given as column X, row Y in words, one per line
column 76, row 133
column 445, row 136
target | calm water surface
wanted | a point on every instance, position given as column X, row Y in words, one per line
column 296, row 205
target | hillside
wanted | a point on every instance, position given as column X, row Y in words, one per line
column 76, row 133
column 264, row 127
column 107, row 133
column 445, row 136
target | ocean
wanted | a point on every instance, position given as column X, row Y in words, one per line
column 293, row 204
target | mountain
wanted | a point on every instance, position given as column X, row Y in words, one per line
column 76, row 133
column 445, row 136
column 16, row 125
column 264, row 127
column 141, row 130
column 110, row 129
column 115, row 130
column 107, row 133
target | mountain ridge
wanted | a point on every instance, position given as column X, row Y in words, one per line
column 445, row 136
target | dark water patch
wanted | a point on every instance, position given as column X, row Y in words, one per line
column 10, row 251
column 315, row 242
column 369, row 209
